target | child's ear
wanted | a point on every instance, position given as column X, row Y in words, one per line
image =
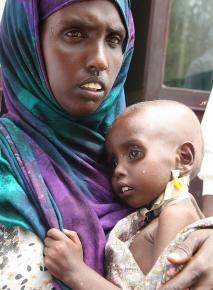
column 185, row 158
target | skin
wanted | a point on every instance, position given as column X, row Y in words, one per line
column 93, row 53
column 131, row 154
column 139, row 163
column 86, row 46
column 70, row 268
column 207, row 202
column 197, row 274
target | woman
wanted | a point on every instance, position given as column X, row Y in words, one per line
column 64, row 69
column 52, row 166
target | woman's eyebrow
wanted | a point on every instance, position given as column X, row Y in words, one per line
column 118, row 29
column 89, row 23
column 73, row 21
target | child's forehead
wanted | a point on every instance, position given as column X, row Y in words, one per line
column 146, row 123
column 131, row 123
column 126, row 120
column 137, row 118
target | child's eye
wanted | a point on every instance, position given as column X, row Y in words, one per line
column 135, row 154
column 114, row 163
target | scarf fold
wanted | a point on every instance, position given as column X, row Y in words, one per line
column 56, row 161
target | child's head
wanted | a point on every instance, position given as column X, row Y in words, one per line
column 147, row 142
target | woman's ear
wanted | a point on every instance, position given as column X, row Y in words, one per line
column 185, row 158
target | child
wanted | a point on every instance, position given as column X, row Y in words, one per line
column 153, row 148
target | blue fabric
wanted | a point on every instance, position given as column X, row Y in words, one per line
column 52, row 163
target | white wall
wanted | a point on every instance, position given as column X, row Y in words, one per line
column 2, row 2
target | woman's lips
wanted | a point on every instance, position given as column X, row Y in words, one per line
column 95, row 84
column 94, row 87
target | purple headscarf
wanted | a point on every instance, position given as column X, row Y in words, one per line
column 56, row 160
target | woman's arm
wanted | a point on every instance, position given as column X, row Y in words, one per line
column 64, row 260
column 197, row 274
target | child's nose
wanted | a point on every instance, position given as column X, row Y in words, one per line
column 120, row 170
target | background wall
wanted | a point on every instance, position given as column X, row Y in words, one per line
column 2, row 2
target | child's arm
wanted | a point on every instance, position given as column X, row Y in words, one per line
column 64, row 260
column 173, row 219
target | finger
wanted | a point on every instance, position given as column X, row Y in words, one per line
column 46, row 251
column 52, row 250
column 179, row 282
column 50, row 265
column 189, row 276
column 202, row 286
column 48, row 241
column 55, row 234
column 185, row 250
column 179, row 258
column 73, row 236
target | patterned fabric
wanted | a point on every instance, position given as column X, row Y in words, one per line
column 168, row 197
column 162, row 271
column 51, row 163
column 18, row 248
column 121, row 268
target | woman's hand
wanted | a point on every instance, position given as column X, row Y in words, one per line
column 63, row 253
column 197, row 252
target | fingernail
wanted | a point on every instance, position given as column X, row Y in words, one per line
column 174, row 256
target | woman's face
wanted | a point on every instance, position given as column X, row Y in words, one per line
column 82, row 50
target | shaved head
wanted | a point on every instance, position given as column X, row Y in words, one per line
column 169, row 120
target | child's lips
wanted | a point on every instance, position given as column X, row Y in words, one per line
column 125, row 189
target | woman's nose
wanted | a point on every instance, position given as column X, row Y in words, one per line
column 97, row 60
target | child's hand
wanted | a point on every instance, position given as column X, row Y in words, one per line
column 63, row 253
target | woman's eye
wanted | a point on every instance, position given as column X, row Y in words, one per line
column 76, row 34
column 114, row 40
column 135, row 154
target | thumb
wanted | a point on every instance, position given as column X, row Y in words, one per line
column 178, row 257
column 185, row 250
column 72, row 235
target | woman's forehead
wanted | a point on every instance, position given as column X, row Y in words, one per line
column 46, row 7
column 97, row 12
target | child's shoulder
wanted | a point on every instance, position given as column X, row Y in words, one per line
column 186, row 209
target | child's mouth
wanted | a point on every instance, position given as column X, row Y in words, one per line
column 125, row 189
